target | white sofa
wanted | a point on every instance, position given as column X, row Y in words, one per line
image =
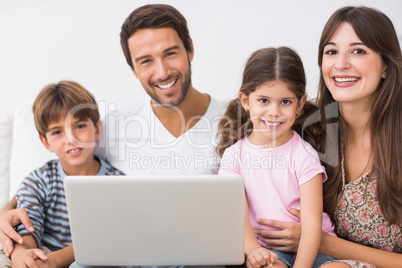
column 21, row 150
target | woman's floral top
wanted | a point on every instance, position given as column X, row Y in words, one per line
column 359, row 218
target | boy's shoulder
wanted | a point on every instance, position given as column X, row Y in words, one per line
column 49, row 172
column 112, row 171
column 109, row 170
column 50, row 167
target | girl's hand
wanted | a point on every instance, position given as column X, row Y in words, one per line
column 260, row 257
column 287, row 239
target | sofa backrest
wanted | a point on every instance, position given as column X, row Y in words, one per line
column 27, row 151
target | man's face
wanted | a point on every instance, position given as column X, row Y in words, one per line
column 162, row 64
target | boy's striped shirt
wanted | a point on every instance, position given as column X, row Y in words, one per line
column 41, row 193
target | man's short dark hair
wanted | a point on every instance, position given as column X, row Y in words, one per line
column 153, row 16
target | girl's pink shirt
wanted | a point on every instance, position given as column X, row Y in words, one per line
column 272, row 178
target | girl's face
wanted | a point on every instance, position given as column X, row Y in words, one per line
column 273, row 108
column 350, row 69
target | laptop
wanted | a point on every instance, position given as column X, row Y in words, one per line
column 156, row 220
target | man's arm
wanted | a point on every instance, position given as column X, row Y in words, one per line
column 11, row 205
column 9, row 218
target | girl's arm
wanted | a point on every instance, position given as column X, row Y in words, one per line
column 250, row 240
column 256, row 256
column 311, row 221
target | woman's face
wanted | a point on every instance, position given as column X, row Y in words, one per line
column 350, row 69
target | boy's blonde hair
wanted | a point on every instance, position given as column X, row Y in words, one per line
column 58, row 100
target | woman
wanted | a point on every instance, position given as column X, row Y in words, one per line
column 361, row 72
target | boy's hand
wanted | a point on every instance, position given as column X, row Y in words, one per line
column 50, row 263
column 27, row 257
column 260, row 257
column 8, row 220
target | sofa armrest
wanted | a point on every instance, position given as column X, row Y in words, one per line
column 6, row 126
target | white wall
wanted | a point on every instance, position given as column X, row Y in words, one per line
column 44, row 41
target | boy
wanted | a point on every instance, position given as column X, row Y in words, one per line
column 67, row 119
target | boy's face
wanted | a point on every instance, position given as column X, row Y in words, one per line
column 73, row 141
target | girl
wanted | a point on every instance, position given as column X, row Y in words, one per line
column 279, row 168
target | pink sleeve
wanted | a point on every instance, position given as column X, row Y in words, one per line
column 309, row 166
column 228, row 164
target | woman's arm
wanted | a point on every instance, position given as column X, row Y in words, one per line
column 311, row 221
column 9, row 218
column 288, row 239
column 339, row 249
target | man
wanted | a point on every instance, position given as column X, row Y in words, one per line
column 174, row 132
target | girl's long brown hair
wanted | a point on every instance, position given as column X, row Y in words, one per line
column 267, row 64
column 377, row 32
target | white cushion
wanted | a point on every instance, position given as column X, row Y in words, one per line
column 6, row 126
column 27, row 151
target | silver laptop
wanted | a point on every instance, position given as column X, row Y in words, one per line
column 158, row 220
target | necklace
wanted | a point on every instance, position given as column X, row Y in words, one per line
column 362, row 173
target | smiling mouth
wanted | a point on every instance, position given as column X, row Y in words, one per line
column 346, row 80
column 272, row 124
column 167, row 86
column 74, row 151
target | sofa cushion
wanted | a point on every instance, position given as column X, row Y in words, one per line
column 6, row 126
column 27, row 151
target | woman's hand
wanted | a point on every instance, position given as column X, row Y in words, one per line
column 287, row 239
column 8, row 220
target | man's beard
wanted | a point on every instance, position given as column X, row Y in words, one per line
column 184, row 87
